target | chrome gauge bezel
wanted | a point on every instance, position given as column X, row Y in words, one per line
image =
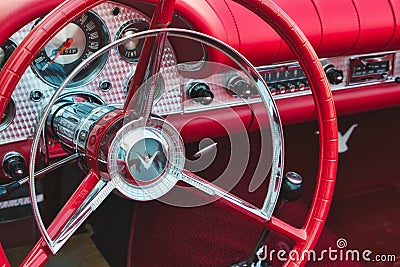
column 92, row 70
column 7, row 48
column 8, row 115
column 126, row 25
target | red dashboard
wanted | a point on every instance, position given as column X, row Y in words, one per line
column 197, row 88
column 337, row 31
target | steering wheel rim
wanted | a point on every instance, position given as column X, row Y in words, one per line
column 299, row 45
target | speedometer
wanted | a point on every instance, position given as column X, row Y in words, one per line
column 73, row 44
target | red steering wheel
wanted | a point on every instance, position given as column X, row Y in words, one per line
column 305, row 238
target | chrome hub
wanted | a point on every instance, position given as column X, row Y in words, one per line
column 147, row 156
column 146, row 160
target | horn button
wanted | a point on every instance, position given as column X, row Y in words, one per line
column 146, row 160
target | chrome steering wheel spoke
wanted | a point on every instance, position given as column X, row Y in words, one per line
column 241, row 206
column 142, row 92
column 86, row 199
column 217, row 193
column 149, row 63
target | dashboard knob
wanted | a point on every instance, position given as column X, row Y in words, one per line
column 291, row 87
column 281, row 88
column 272, row 89
column 334, row 75
column 200, row 92
column 300, row 85
column 239, row 87
column 14, row 165
column 292, row 186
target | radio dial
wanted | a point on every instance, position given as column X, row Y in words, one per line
column 281, row 88
column 300, row 85
column 291, row 87
column 334, row 75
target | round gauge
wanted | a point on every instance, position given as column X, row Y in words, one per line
column 130, row 50
column 73, row 44
column 5, row 51
column 8, row 115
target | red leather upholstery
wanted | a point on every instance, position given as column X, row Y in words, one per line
column 334, row 16
column 334, row 28
column 394, row 43
column 376, row 25
column 260, row 44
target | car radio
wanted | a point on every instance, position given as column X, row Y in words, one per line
column 289, row 78
column 369, row 68
column 284, row 78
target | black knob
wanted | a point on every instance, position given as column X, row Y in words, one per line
column 200, row 92
column 14, row 165
column 334, row 75
column 397, row 80
column 239, row 87
column 292, row 187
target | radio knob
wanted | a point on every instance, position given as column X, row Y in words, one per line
column 300, row 85
column 281, row 88
column 291, row 87
column 272, row 88
column 200, row 92
column 334, row 75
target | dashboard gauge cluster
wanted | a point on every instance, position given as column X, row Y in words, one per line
column 106, row 77
column 73, row 44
